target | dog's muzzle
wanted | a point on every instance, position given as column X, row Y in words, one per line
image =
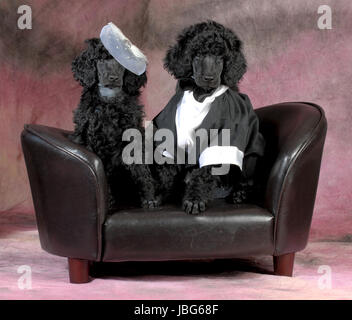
column 109, row 93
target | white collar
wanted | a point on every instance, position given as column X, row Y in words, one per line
column 188, row 95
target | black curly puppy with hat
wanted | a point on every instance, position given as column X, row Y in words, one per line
column 111, row 71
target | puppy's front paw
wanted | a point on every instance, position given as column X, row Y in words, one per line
column 151, row 203
column 239, row 197
column 194, row 206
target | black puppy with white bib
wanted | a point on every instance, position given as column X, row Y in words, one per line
column 212, row 123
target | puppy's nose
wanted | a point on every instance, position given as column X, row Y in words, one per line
column 208, row 78
column 113, row 78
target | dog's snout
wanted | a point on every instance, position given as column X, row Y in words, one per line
column 113, row 77
column 208, row 78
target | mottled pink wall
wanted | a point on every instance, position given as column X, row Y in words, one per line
column 289, row 58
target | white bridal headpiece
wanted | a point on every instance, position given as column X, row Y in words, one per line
column 126, row 53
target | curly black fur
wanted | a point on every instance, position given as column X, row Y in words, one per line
column 100, row 123
column 207, row 38
column 202, row 40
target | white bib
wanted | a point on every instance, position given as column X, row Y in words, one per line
column 190, row 114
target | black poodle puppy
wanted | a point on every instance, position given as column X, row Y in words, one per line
column 109, row 106
column 208, row 62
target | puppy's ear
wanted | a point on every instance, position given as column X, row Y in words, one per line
column 235, row 61
column 84, row 66
column 234, row 69
column 132, row 82
column 178, row 61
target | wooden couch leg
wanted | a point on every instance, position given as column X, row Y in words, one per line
column 283, row 265
column 78, row 270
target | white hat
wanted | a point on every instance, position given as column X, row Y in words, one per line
column 126, row 53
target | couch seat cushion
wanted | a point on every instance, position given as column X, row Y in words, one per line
column 168, row 233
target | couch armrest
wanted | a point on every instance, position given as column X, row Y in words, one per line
column 295, row 134
column 69, row 192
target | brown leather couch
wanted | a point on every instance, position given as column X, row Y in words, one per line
column 69, row 194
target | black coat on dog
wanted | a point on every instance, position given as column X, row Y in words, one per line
column 208, row 63
column 109, row 106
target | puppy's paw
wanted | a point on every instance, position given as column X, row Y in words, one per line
column 151, row 203
column 239, row 197
column 194, row 206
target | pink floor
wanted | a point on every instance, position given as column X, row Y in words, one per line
column 233, row 279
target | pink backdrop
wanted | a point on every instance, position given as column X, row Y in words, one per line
column 289, row 59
